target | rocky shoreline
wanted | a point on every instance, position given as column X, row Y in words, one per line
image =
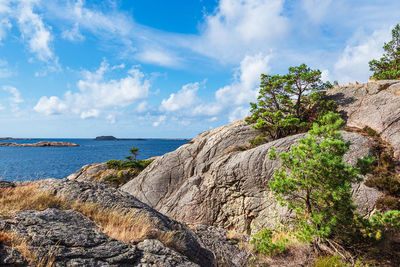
column 196, row 206
column 41, row 144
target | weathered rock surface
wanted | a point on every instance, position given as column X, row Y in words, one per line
column 89, row 173
column 184, row 240
column 225, row 250
column 40, row 144
column 374, row 104
column 67, row 238
column 212, row 182
column 11, row 257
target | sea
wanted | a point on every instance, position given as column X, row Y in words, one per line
column 35, row 163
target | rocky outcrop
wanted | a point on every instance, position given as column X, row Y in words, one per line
column 66, row 238
column 40, row 144
column 225, row 250
column 182, row 239
column 375, row 104
column 11, row 257
column 100, row 173
column 212, row 181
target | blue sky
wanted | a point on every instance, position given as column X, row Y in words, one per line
column 172, row 68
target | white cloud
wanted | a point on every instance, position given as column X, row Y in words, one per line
column 16, row 95
column 159, row 57
column 4, row 69
column 316, row 9
column 241, row 27
column 107, row 25
column 92, row 113
column 111, row 118
column 239, row 113
column 16, row 98
column 51, row 106
column 241, row 91
column 352, row 64
column 142, row 107
column 159, row 120
column 184, row 98
column 34, row 30
column 97, row 93
column 233, row 100
column 73, row 34
column 5, row 26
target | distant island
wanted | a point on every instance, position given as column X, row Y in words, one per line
column 12, row 138
column 40, row 144
column 112, row 138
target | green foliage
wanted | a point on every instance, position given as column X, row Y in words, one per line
column 388, row 203
column 288, row 103
column 315, row 182
column 379, row 225
column 134, row 151
column 388, row 67
column 123, row 165
column 264, row 244
column 329, row 261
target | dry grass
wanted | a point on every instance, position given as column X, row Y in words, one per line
column 27, row 198
column 130, row 227
column 21, row 245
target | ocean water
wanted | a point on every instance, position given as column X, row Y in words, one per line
column 34, row 163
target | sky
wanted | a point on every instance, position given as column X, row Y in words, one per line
column 169, row 69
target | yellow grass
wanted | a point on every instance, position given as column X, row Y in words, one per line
column 130, row 227
column 26, row 198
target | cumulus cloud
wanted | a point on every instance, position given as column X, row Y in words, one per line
column 97, row 93
column 184, row 98
column 235, row 97
column 91, row 113
column 352, row 65
column 232, row 99
column 51, row 105
column 240, row 27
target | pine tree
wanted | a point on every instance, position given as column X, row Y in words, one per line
column 388, row 67
column 315, row 182
column 286, row 102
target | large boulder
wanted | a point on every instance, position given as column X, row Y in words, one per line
column 182, row 239
column 214, row 181
column 66, row 238
column 375, row 104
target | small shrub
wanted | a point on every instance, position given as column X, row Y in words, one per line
column 379, row 225
column 329, row 261
column 388, row 203
column 263, row 243
column 370, row 132
column 123, row 165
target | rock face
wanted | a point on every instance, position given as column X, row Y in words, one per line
column 374, row 104
column 67, row 238
column 186, row 242
column 211, row 181
column 40, row 144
